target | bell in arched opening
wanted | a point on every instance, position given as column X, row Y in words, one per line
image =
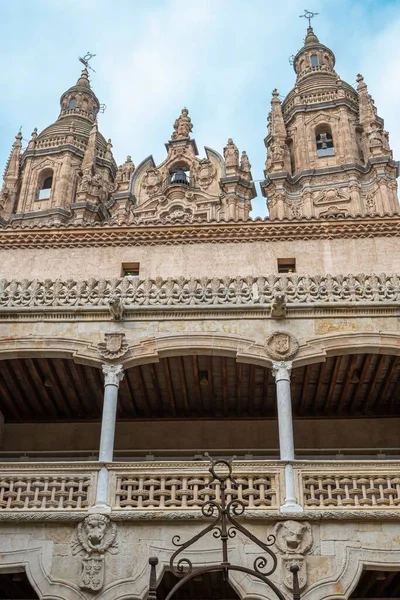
column 180, row 176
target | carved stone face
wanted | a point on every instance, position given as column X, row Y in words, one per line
column 294, row 534
column 95, row 528
column 293, row 537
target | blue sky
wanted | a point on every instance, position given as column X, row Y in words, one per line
column 220, row 58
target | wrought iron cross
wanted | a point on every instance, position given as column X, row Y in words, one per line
column 85, row 60
column 308, row 14
column 224, row 526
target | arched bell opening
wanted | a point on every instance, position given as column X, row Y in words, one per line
column 375, row 583
column 206, row 586
column 15, row 585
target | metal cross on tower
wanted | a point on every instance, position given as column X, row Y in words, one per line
column 308, row 14
column 85, row 60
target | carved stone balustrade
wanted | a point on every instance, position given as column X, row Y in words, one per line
column 187, row 486
column 202, row 292
column 177, row 489
column 45, row 487
column 357, row 486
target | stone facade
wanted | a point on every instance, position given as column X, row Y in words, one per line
column 146, row 319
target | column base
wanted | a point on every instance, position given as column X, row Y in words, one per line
column 100, row 507
column 291, row 506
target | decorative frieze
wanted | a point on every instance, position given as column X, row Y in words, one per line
column 202, row 291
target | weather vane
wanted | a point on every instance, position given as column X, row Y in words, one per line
column 85, row 60
column 308, row 15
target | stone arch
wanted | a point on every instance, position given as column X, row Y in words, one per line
column 354, row 560
column 317, row 349
column 37, row 564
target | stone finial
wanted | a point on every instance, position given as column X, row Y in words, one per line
column 231, row 154
column 83, row 80
column 245, row 163
column 34, row 134
column 275, row 95
column 182, row 126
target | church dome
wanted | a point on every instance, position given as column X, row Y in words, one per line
column 79, row 110
column 317, row 80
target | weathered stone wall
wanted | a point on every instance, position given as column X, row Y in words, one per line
column 212, row 260
column 333, row 553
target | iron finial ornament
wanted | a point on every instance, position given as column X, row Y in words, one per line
column 224, row 526
column 85, row 60
column 308, row 14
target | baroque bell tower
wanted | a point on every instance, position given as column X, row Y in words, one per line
column 328, row 155
column 67, row 172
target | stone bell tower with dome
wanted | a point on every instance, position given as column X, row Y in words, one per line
column 67, row 171
column 328, row 152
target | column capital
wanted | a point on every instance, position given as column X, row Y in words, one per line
column 113, row 374
column 281, row 370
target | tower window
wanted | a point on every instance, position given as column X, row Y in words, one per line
column 45, row 186
column 286, row 265
column 324, row 142
column 314, row 60
column 130, row 269
column 72, row 103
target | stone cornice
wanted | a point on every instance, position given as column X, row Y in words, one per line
column 259, row 230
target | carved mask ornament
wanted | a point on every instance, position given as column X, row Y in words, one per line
column 96, row 535
column 294, row 540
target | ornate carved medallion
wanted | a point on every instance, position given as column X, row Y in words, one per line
column 114, row 345
column 294, row 540
column 281, row 345
column 96, row 535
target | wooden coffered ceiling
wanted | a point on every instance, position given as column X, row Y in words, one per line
column 52, row 389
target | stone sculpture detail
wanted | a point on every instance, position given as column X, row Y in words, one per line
column 278, row 307
column 231, row 154
column 281, row 345
column 96, row 535
column 114, row 345
column 116, row 307
column 294, row 540
column 182, row 126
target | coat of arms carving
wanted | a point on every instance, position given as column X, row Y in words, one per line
column 114, row 345
column 281, row 345
column 294, row 540
column 95, row 536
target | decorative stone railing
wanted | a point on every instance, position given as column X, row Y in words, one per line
column 177, row 489
column 203, row 291
column 349, row 486
column 187, row 486
column 27, row 489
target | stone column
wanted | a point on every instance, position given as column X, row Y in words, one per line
column 113, row 375
column 281, row 372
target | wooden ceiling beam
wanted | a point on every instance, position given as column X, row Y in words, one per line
column 252, row 388
column 225, row 394
column 16, row 389
column 170, row 389
column 156, row 387
column 332, row 385
column 183, row 384
column 214, row 407
column 239, row 383
column 357, row 398
column 371, row 389
column 197, row 389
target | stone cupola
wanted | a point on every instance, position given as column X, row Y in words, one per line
column 327, row 153
column 56, row 183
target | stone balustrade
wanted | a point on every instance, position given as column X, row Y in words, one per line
column 178, row 489
column 201, row 292
column 42, row 488
column 348, row 486
column 187, row 486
